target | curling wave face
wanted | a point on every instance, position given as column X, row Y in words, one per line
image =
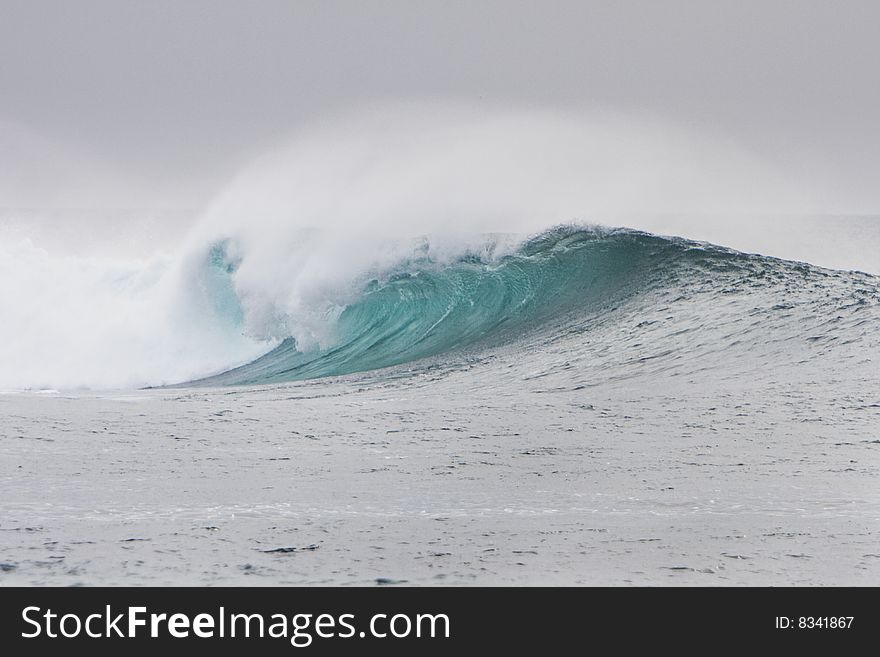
column 598, row 303
column 578, row 303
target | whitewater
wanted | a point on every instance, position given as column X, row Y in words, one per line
column 421, row 364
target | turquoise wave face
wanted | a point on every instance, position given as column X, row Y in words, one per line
column 427, row 309
column 586, row 291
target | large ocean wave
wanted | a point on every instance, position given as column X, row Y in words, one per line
column 405, row 234
column 562, row 283
column 221, row 316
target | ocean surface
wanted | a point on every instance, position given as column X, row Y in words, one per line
column 583, row 406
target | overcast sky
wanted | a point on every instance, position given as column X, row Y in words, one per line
column 172, row 96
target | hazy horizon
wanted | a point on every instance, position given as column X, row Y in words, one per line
column 158, row 106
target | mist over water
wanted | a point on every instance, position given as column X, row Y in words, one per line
column 296, row 237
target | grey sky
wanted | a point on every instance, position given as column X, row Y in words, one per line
column 176, row 94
